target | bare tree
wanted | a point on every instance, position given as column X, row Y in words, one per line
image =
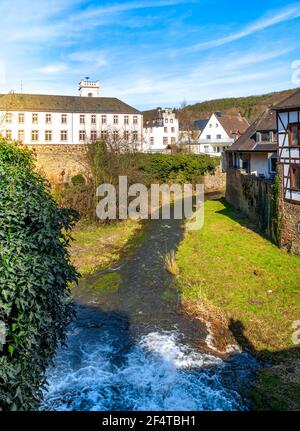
column 188, row 133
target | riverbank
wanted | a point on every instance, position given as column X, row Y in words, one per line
column 249, row 290
column 99, row 246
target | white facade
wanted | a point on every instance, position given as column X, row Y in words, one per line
column 23, row 119
column 161, row 132
column 214, row 138
column 289, row 152
column 68, row 128
column 261, row 164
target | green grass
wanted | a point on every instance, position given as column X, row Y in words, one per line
column 235, row 273
column 96, row 247
column 106, row 283
column 249, row 278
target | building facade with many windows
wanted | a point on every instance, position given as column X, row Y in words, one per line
column 47, row 119
column 161, row 130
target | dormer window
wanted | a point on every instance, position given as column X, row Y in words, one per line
column 258, row 137
column 265, row 136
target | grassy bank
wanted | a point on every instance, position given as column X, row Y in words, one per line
column 251, row 287
column 96, row 247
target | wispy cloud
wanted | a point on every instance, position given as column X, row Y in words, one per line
column 52, row 69
column 287, row 14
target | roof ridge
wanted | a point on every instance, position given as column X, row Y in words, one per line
column 281, row 102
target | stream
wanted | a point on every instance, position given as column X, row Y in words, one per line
column 132, row 349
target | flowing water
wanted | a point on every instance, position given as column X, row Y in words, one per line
column 132, row 349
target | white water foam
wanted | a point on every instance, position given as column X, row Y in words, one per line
column 158, row 373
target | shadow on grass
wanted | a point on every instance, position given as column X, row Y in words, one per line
column 240, row 218
column 277, row 384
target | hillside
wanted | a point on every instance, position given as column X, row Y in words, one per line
column 250, row 107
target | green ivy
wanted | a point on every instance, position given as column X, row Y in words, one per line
column 35, row 273
column 276, row 214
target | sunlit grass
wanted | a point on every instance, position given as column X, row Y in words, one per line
column 245, row 275
column 96, row 247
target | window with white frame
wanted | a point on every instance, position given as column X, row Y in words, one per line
column 21, row 135
column 103, row 119
column 64, row 118
column 135, row 136
column 82, row 135
column 48, row 118
column 81, row 119
column 63, row 135
column 93, row 119
column 116, row 119
column 135, row 119
column 165, row 130
column 172, row 129
column 126, row 119
column 8, row 134
column 48, row 135
column 8, row 117
column 115, row 135
column 165, row 140
column 103, row 135
column 151, row 140
column 21, row 118
column 208, row 137
column 126, row 135
column 166, row 120
column 171, row 120
column 34, row 135
column 93, row 135
column 173, row 140
column 35, row 118
column 219, row 136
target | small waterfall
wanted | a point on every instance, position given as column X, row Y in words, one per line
column 159, row 372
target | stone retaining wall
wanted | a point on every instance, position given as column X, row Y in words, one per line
column 254, row 197
column 59, row 163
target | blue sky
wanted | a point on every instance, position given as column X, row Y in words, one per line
column 150, row 52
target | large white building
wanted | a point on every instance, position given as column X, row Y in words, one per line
column 219, row 132
column 47, row 119
column 161, row 130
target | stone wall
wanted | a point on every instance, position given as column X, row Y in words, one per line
column 254, row 197
column 59, row 163
column 216, row 182
column 290, row 222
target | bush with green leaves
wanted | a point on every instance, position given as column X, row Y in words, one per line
column 78, row 180
column 35, row 275
column 178, row 167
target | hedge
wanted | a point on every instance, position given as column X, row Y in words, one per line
column 35, row 273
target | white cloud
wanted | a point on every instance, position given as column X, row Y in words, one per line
column 91, row 58
column 287, row 14
column 52, row 69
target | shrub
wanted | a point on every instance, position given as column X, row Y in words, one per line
column 35, row 272
column 78, row 180
column 178, row 167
